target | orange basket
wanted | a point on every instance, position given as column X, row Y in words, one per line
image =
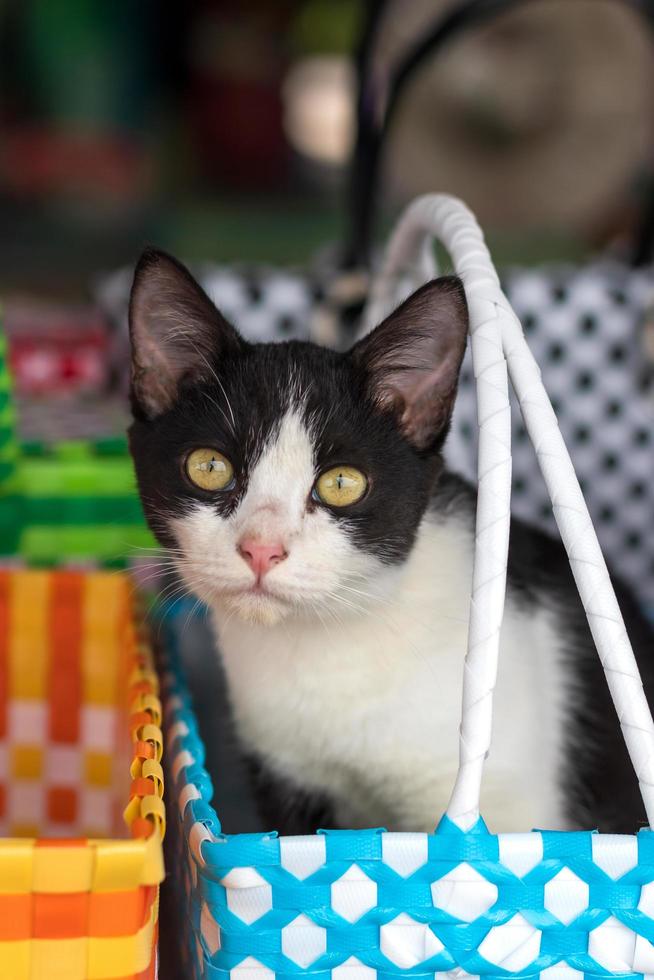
column 81, row 786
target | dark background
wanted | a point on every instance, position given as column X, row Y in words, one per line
column 223, row 131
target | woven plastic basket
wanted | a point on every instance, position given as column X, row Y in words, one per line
column 344, row 905
column 71, row 501
column 81, row 784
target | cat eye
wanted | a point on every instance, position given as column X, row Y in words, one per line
column 340, row 486
column 209, row 470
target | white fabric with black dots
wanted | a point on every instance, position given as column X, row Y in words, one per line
column 585, row 329
column 264, row 303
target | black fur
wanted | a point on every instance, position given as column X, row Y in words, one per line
column 259, row 382
column 290, row 809
column 357, row 423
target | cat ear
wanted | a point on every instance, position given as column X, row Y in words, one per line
column 176, row 332
column 413, row 358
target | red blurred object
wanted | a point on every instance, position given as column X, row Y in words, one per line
column 57, row 350
column 237, row 63
column 239, row 131
column 37, row 160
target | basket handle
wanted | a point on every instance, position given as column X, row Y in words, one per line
column 378, row 99
column 498, row 346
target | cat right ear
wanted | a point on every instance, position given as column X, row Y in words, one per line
column 412, row 360
column 176, row 332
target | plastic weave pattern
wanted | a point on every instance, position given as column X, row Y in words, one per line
column 361, row 905
column 461, row 902
column 72, row 501
column 81, row 782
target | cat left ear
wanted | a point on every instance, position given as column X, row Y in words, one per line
column 413, row 359
column 176, row 332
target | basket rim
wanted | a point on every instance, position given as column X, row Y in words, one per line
column 133, row 860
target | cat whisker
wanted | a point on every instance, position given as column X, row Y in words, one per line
column 389, row 600
column 190, row 615
column 371, row 596
column 146, row 572
column 355, row 607
column 152, row 570
column 162, row 561
column 142, row 579
column 155, row 552
column 316, row 610
column 215, row 377
column 205, row 394
column 173, row 591
column 326, row 607
column 180, row 592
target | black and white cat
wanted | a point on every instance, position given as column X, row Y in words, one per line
column 303, row 494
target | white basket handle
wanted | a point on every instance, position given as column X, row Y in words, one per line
column 497, row 341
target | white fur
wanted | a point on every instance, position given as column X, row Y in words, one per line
column 348, row 679
column 322, row 562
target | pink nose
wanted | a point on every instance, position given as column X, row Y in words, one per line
column 261, row 556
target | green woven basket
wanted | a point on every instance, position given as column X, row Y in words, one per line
column 69, row 502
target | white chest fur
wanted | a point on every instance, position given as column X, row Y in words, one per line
column 367, row 708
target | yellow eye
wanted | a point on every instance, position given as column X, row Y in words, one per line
column 209, row 470
column 341, row 486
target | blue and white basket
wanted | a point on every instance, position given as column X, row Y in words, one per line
column 362, row 905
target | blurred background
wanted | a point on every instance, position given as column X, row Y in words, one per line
column 224, row 131
column 254, row 136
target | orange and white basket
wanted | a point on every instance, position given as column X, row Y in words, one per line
column 81, row 786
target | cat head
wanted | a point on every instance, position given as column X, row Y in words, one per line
column 287, row 478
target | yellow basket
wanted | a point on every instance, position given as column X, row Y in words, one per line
column 80, row 737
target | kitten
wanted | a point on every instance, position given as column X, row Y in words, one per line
column 303, row 494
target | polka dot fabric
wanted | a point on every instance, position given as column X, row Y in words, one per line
column 586, row 329
column 265, row 304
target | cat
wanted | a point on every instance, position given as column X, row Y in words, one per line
column 303, row 496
